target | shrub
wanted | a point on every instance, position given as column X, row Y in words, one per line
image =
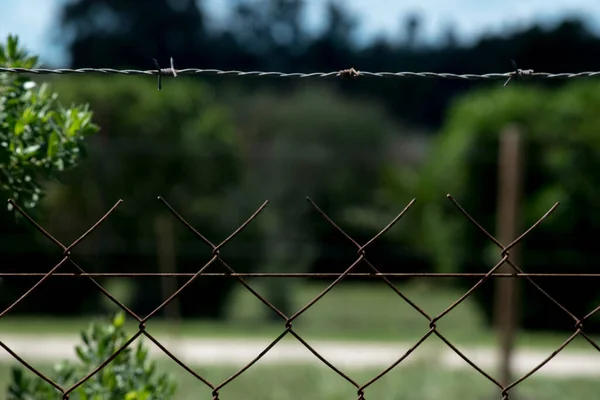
column 38, row 136
column 130, row 376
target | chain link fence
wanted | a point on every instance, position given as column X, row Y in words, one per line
column 218, row 256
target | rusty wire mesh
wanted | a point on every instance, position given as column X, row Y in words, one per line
column 287, row 321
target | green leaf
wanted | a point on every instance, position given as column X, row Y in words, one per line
column 81, row 354
column 132, row 396
column 60, row 164
column 141, row 353
column 12, row 44
column 85, row 338
column 19, row 127
column 53, row 142
column 119, row 320
column 31, row 150
column 17, row 375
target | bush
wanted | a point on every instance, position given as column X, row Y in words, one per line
column 38, row 136
column 130, row 376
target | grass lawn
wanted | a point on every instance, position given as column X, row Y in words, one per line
column 348, row 312
column 418, row 382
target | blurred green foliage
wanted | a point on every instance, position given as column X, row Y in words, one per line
column 129, row 376
column 278, row 36
column 39, row 137
column 312, row 142
column 180, row 144
column 562, row 145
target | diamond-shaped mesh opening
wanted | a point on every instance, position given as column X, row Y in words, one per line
column 273, row 364
column 308, row 380
column 362, row 311
column 573, row 376
column 428, row 375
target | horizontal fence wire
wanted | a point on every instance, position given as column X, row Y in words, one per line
column 217, row 257
column 344, row 73
column 361, row 275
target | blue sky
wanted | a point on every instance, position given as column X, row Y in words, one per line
column 35, row 20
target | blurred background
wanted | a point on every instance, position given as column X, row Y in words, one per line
column 217, row 147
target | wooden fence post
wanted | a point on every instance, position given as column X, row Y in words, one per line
column 510, row 182
column 165, row 245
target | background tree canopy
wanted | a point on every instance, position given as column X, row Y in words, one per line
column 271, row 35
column 562, row 145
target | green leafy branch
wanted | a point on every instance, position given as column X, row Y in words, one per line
column 39, row 137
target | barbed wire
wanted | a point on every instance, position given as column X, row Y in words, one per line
column 344, row 73
column 362, row 275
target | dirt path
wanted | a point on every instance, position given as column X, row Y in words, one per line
column 346, row 355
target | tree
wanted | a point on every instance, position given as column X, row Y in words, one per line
column 412, row 25
column 333, row 49
column 129, row 37
column 562, row 143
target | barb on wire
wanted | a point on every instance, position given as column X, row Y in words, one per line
column 344, row 73
column 520, row 73
column 164, row 72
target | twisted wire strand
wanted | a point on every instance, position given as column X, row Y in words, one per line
column 333, row 74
